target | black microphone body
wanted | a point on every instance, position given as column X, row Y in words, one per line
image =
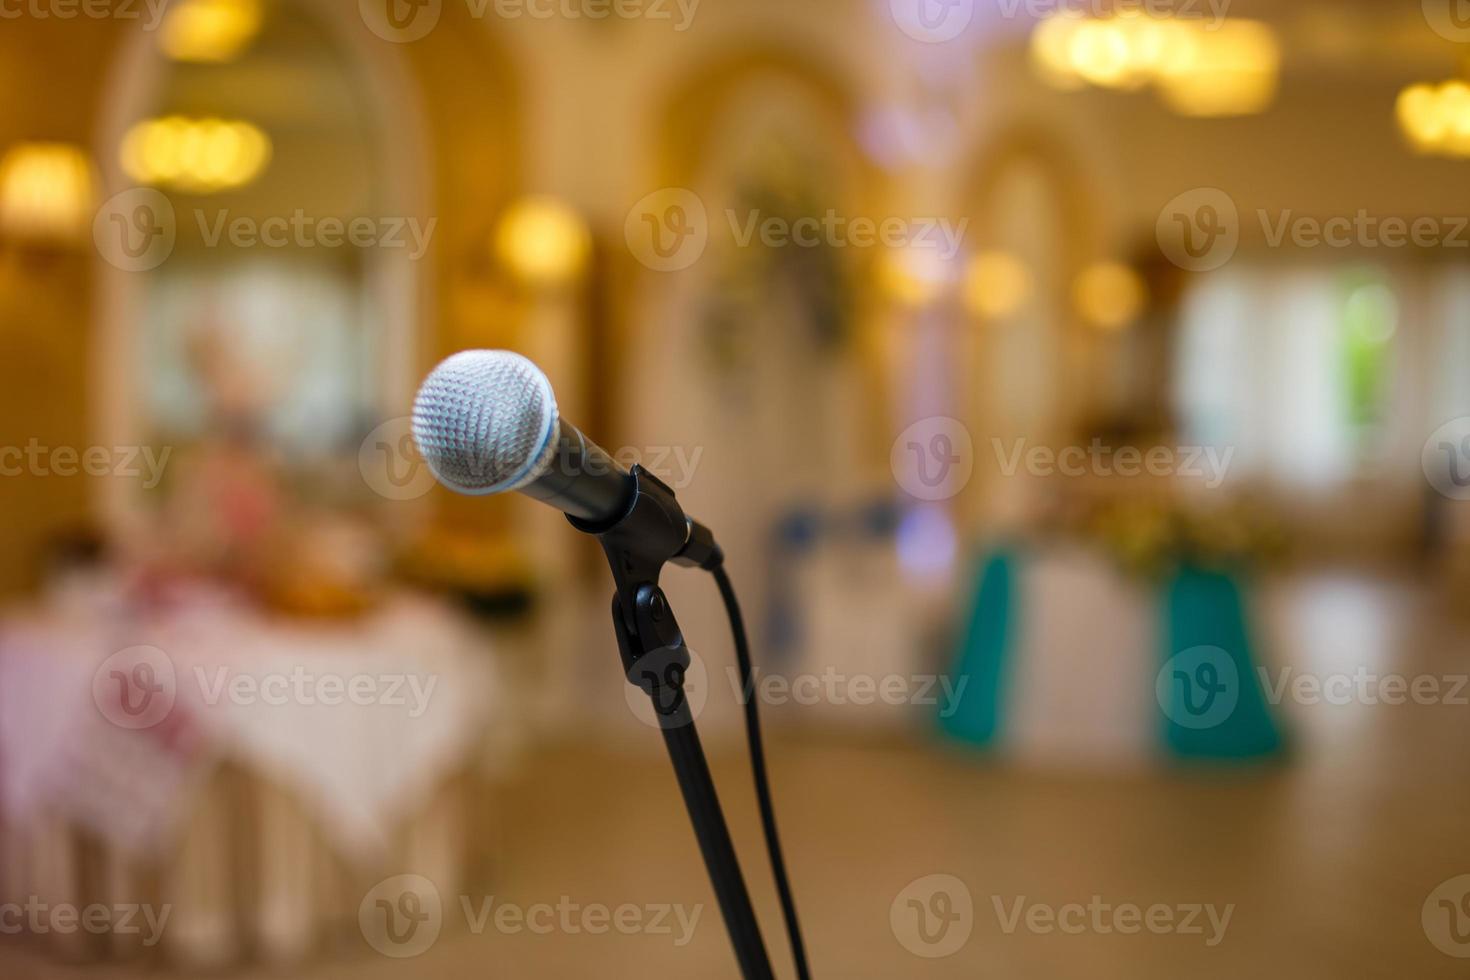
column 583, row 480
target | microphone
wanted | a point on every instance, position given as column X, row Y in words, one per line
column 486, row 422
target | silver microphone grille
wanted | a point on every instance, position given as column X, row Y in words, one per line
column 486, row 421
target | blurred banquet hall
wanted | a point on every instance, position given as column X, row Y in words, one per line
column 1079, row 390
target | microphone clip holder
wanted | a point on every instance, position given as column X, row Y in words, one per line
column 652, row 532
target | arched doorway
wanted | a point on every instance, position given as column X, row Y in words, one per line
column 283, row 300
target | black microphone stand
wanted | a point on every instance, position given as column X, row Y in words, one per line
column 652, row 532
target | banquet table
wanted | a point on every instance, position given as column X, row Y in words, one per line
column 1069, row 663
column 256, row 774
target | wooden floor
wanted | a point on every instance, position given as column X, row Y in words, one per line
column 1327, row 860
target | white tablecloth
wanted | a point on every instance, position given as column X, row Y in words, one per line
column 360, row 719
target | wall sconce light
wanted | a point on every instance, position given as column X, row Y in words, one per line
column 543, row 242
column 209, row 31
column 997, row 285
column 1109, row 295
column 46, row 193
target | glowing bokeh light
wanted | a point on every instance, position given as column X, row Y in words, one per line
column 913, row 276
column 210, row 31
column 543, row 241
column 1226, row 69
column 997, row 285
column 45, row 191
column 1436, row 118
column 1109, row 295
column 195, row 155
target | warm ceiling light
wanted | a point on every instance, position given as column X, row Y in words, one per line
column 1436, row 118
column 997, row 285
column 45, row 191
column 543, row 241
column 1229, row 68
column 209, row 30
column 1231, row 71
column 195, row 155
column 1051, row 50
column 1109, row 295
column 1100, row 54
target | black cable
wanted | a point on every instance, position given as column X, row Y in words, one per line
column 758, row 768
